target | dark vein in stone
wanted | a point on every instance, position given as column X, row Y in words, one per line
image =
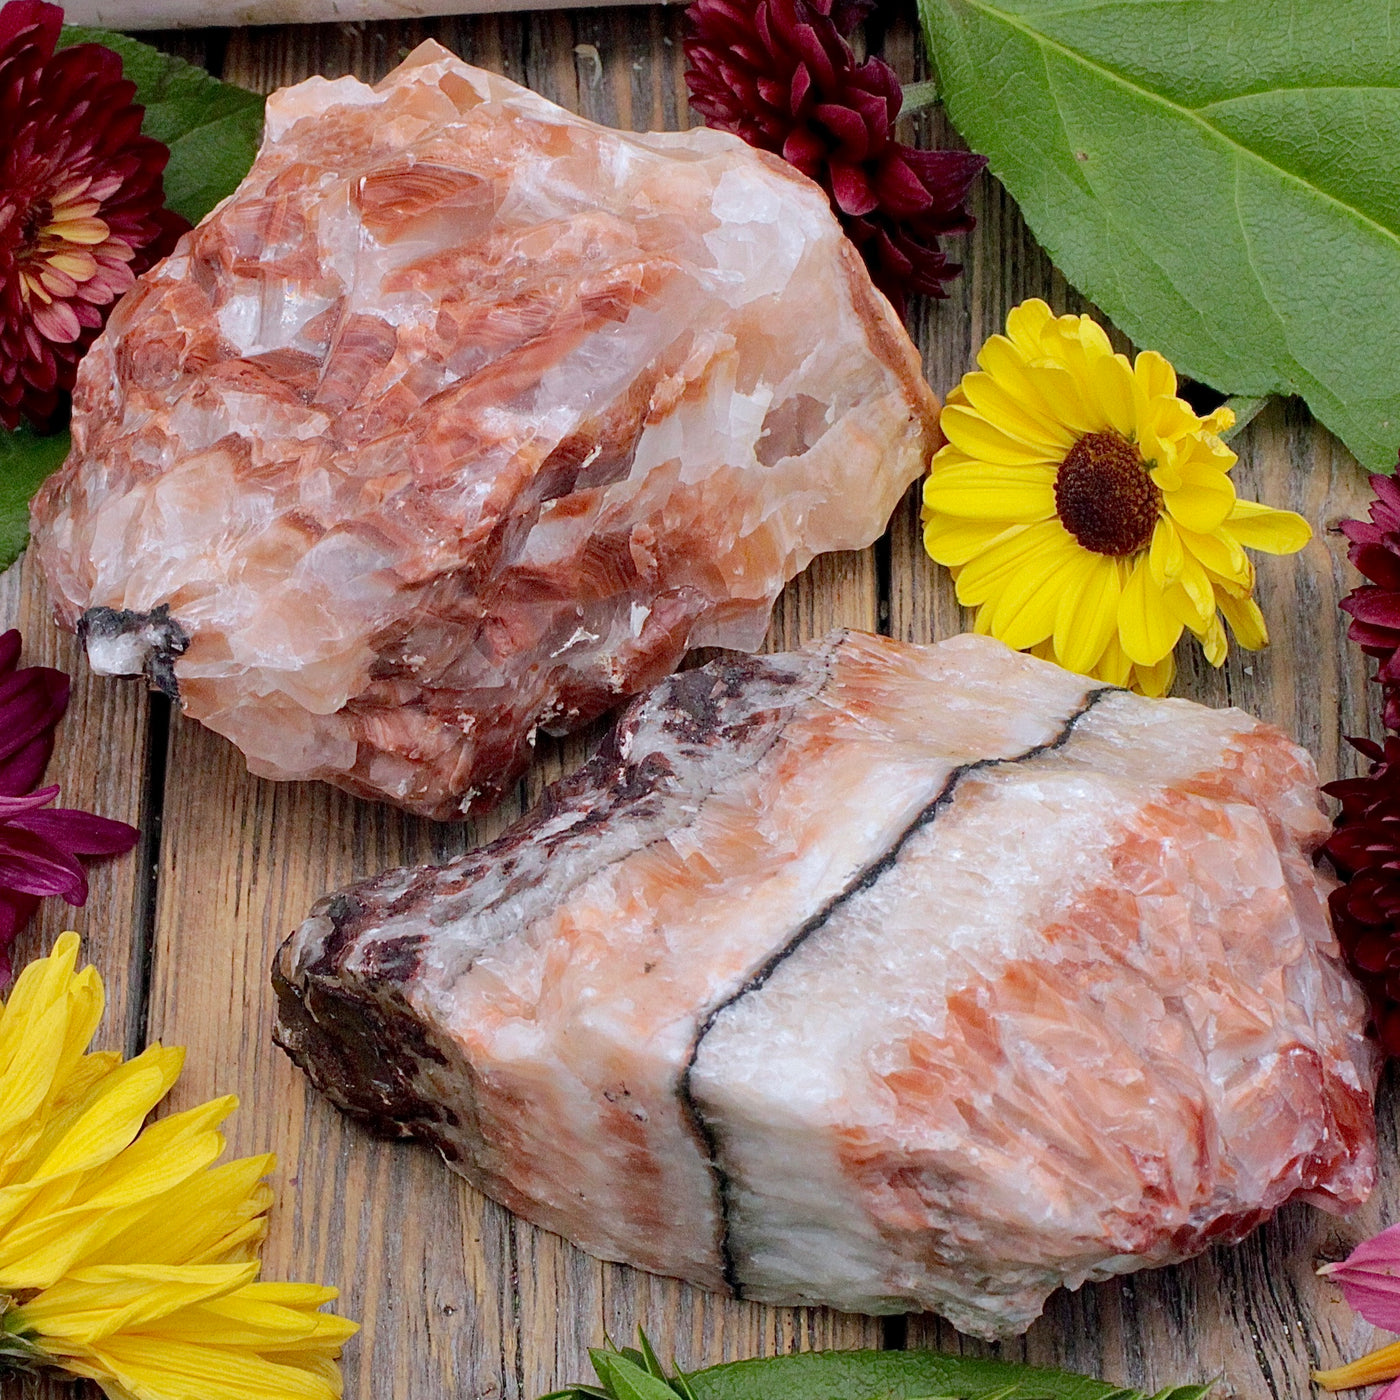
column 865, row 879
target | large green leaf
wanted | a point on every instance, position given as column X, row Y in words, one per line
column 25, row 460
column 903, row 1375
column 1221, row 176
column 212, row 128
column 855, row 1375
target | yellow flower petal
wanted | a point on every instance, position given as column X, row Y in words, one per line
column 1112, row 380
column 1006, row 494
column 983, row 577
column 132, row 1258
column 1155, row 374
column 91, row 1305
column 1245, row 619
column 1088, row 617
column 1145, row 624
column 1005, row 363
column 1213, row 641
column 1026, row 323
column 1221, row 555
column 1204, row 499
column 1027, row 606
column 159, row 1368
column 205, row 1220
column 113, row 1113
column 1113, row 667
column 1273, row 531
column 1220, row 421
column 1166, row 556
column 1383, row 1364
column 952, row 541
column 1155, row 680
column 1071, row 394
column 967, row 429
column 1017, row 417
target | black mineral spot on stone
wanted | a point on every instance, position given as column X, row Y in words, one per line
column 158, row 635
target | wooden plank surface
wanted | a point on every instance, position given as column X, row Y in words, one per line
column 459, row 1299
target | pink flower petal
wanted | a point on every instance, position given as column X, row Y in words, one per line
column 31, row 865
column 1369, row 1278
column 81, row 833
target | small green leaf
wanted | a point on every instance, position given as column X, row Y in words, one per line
column 1218, row 175
column 625, row 1380
column 25, row 460
column 649, row 1358
column 680, row 1383
column 212, row 128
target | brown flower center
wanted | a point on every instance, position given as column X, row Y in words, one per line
column 32, row 220
column 57, row 232
column 1104, row 496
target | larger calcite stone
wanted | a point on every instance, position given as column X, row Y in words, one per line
column 465, row 417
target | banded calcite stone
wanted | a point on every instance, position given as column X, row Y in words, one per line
column 463, row 418
column 875, row 975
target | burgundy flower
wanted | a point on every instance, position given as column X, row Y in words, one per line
column 1375, row 607
column 81, row 205
column 1365, row 848
column 39, row 844
column 780, row 74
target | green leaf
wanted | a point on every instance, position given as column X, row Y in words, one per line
column 895, row 1375
column 212, row 128
column 625, row 1380
column 858, row 1375
column 649, row 1357
column 25, row 460
column 1218, row 175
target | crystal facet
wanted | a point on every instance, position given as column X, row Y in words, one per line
column 466, row 417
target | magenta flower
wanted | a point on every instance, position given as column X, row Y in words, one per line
column 82, row 199
column 1375, row 606
column 781, row 74
column 39, row 844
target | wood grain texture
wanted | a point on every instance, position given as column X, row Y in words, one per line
column 458, row 1298
column 102, row 764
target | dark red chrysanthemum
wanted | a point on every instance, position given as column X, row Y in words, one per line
column 39, row 844
column 82, row 205
column 1375, row 607
column 1365, row 847
column 780, row 74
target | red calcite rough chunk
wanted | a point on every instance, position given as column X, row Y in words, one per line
column 466, row 417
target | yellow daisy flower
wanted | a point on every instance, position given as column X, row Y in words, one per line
column 1087, row 512
column 126, row 1256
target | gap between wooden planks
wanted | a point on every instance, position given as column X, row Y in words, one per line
column 459, row 1299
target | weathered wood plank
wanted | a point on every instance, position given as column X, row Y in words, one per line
column 101, row 765
column 422, row 1259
